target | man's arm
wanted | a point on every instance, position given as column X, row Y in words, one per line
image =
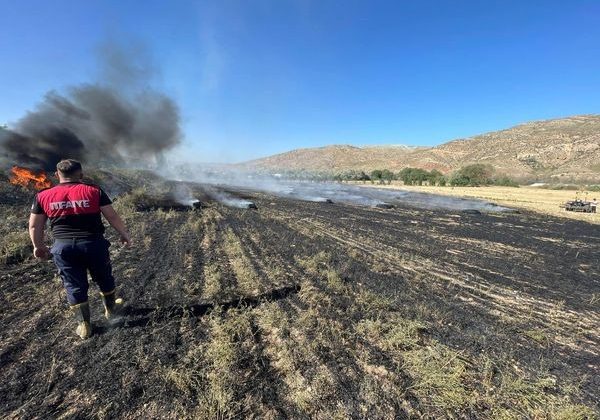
column 36, row 233
column 115, row 221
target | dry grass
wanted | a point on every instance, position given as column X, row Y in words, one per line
column 529, row 198
column 15, row 247
column 414, row 365
column 248, row 281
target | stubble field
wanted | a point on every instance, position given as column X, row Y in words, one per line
column 312, row 310
column 533, row 199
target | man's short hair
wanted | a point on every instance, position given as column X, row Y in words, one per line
column 68, row 167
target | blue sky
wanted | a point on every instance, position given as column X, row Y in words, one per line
column 257, row 77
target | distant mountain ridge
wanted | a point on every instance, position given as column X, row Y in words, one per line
column 563, row 148
column 336, row 157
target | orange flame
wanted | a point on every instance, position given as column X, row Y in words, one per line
column 27, row 179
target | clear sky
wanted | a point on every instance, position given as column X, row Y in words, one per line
column 257, row 77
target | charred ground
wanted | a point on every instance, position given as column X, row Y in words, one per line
column 302, row 309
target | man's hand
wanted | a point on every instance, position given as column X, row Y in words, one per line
column 41, row 253
column 115, row 221
column 126, row 240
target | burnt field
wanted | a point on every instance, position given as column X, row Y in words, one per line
column 312, row 310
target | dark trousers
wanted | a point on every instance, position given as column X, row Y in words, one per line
column 74, row 258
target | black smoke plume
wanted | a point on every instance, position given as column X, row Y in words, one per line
column 113, row 122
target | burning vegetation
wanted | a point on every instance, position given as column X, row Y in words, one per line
column 27, row 178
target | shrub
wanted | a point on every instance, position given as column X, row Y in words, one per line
column 434, row 177
column 413, row 176
column 376, row 175
column 505, row 181
column 473, row 175
column 387, row 175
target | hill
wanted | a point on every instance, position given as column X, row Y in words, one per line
column 337, row 157
column 565, row 148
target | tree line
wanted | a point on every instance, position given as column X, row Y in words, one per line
column 470, row 175
column 410, row 176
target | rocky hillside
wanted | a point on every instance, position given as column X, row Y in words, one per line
column 338, row 157
column 559, row 148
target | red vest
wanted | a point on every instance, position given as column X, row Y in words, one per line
column 70, row 199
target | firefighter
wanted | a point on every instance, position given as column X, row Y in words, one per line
column 74, row 209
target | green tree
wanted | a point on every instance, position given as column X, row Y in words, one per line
column 362, row 176
column 413, row 176
column 473, row 175
column 376, row 175
column 387, row 175
column 434, row 177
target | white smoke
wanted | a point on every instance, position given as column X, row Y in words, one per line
column 221, row 181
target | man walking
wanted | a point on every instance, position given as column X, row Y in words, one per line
column 74, row 210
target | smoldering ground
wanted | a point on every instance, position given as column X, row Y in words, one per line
column 109, row 121
column 224, row 183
